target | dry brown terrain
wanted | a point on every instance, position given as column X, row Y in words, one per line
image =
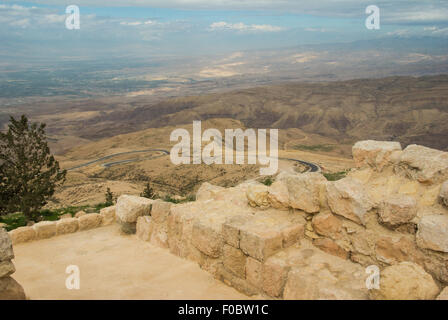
column 87, row 185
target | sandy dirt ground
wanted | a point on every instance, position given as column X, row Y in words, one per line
column 112, row 266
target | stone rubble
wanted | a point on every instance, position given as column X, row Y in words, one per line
column 307, row 238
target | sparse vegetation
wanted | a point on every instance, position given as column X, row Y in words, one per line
column 148, row 192
column 171, row 199
column 268, row 181
column 109, row 197
column 334, row 176
column 314, row 147
column 29, row 174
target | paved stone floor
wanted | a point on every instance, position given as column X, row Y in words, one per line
column 112, row 266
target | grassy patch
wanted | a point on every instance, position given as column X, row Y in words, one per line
column 314, row 147
column 268, row 181
column 335, row 176
column 190, row 198
column 13, row 221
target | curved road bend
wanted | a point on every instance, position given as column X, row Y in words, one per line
column 312, row 167
column 116, row 155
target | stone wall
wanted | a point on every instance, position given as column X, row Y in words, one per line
column 304, row 237
column 66, row 224
column 9, row 288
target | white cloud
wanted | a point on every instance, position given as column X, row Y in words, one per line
column 138, row 23
column 241, row 27
column 315, row 30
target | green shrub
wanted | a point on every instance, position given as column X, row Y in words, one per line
column 268, row 181
column 314, row 147
column 335, row 176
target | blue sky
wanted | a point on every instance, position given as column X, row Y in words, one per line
column 183, row 27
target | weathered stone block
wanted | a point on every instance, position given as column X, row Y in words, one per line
column 275, row 274
column 234, row 260
column 144, row 228
column 376, row 154
column 424, row 164
column 6, row 268
column 207, row 237
column 326, row 224
column 68, row 225
column 393, row 250
column 89, row 221
column 257, row 195
column 348, row 198
column 397, row 209
column 279, row 195
column 260, row 244
column 159, row 235
column 22, row 234
column 6, row 252
column 129, row 208
column 293, row 233
column 254, row 272
column 11, row 290
column 231, row 229
column 160, row 211
column 433, row 233
column 405, row 281
column 331, row 247
column 304, row 191
column 45, row 229
column 108, row 215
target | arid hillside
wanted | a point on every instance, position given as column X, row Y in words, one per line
column 405, row 109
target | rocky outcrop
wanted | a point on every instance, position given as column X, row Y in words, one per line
column 424, row 164
column 398, row 209
column 349, row 198
column 405, row 281
column 433, row 233
column 305, row 190
column 306, row 238
column 257, row 195
column 314, row 275
column 129, row 208
column 376, row 154
column 9, row 288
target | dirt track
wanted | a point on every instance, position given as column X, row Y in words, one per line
column 111, row 266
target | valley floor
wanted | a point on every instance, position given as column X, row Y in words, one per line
column 112, row 266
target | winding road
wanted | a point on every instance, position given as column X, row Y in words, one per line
column 312, row 166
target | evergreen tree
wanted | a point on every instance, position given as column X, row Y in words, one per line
column 148, row 192
column 109, row 197
column 29, row 174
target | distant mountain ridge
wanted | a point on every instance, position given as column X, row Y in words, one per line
column 406, row 109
